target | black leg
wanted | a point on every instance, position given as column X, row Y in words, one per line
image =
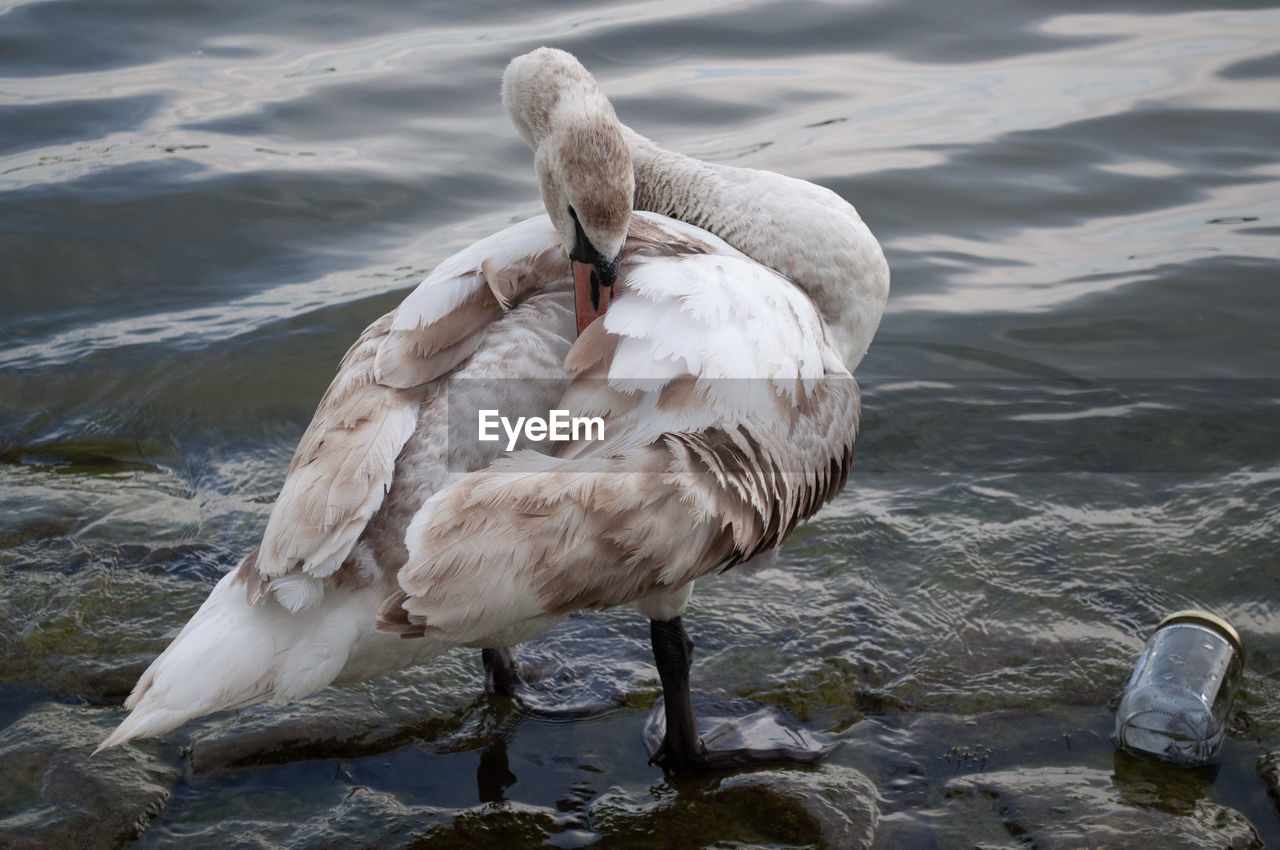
column 673, row 652
column 500, row 674
column 765, row 736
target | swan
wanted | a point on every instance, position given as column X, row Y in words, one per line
column 707, row 315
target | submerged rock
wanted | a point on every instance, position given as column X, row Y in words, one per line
column 828, row 806
column 841, row 802
column 833, row 807
column 374, row 818
column 1269, row 770
column 297, row 739
column 54, row 795
column 1086, row 807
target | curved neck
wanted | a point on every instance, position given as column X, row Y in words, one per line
column 804, row 232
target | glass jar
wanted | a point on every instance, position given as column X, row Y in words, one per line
column 1176, row 704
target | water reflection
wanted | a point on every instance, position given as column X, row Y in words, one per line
column 1150, row 783
column 494, row 776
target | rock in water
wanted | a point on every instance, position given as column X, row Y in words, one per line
column 56, row 796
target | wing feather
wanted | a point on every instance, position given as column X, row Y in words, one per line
column 345, row 462
column 702, row 466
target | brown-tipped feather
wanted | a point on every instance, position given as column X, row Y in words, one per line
column 600, row 530
column 345, row 463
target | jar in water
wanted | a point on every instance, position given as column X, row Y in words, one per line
column 1179, row 697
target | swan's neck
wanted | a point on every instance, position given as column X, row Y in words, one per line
column 803, row 231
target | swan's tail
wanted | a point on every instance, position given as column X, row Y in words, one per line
column 232, row 654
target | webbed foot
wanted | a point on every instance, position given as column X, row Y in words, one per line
column 733, row 734
column 712, row 738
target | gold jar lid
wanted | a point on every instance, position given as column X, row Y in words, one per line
column 1213, row 621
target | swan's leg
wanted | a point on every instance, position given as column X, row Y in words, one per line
column 673, row 651
column 763, row 736
column 500, row 673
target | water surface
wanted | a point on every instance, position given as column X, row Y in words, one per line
column 1070, row 408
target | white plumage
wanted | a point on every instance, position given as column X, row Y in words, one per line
column 722, row 373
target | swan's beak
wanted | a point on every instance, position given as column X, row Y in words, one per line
column 593, row 288
column 593, row 276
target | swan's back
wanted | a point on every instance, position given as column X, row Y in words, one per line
column 729, row 418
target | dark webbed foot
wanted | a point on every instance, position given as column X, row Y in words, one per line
column 735, row 733
column 730, row 735
column 550, row 682
column 501, row 674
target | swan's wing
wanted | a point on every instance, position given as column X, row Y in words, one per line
column 728, row 420
column 345, row 461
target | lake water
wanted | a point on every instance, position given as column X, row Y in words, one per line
column 1071, row 410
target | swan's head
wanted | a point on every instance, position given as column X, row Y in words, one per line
column 583, row 164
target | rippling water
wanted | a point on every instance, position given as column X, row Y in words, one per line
column 1071, row 405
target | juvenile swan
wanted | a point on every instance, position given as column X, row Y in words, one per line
column 713, row 330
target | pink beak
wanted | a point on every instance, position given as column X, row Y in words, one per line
column 588, row 312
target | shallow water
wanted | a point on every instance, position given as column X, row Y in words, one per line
column 1070, row 408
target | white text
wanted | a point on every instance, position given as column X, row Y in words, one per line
column 559, row 426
